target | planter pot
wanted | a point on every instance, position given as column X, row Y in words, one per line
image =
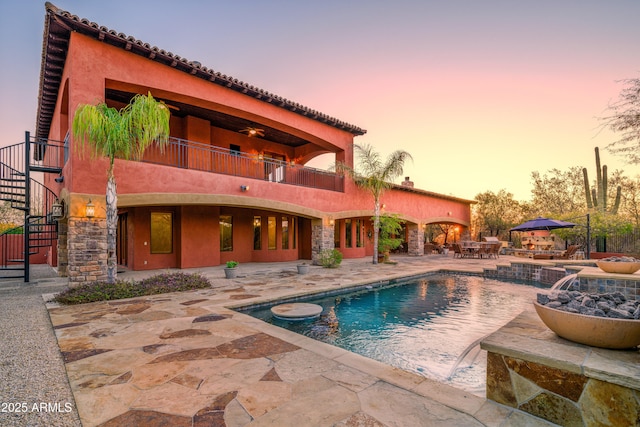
column 230, row 273
column 445, row 251
column 303, row 268
column 595, row 331
column 619, row 267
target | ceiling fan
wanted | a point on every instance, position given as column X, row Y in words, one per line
column 251, row 131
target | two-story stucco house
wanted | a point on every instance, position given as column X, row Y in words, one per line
column 231, row 185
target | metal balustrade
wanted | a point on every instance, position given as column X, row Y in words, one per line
column 24, row 193
column 203, row 157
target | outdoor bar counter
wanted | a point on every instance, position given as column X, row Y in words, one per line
column 530, row 368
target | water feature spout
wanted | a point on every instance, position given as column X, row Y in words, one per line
column 565, row 283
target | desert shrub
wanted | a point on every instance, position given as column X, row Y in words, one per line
column 158, row 284
column 330, row 258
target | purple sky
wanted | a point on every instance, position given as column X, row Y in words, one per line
column 480, row 93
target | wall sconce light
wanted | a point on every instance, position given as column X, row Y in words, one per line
column 331, row 221
column 59, row 179
column 57, row 210
column 383, row 206
column 244, row 188
column 90, row 210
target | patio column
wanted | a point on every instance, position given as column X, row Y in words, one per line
column 63, row 252
column 415, row 240
column 86, row 242
column 322, row 233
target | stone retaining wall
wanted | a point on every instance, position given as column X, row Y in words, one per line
column 591, row 279
column 593, row 284
column 533, row 370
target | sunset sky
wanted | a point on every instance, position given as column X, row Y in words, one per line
column 481, row 93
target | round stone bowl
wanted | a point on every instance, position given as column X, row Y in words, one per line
column 595, row 331
column 619, row 267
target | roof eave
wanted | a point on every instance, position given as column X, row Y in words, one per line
column 50, row 80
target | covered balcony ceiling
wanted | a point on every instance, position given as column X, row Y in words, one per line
column 216, row 118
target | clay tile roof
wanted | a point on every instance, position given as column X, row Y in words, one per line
column 58, row 26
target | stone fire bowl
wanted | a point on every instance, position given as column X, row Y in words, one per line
column 619, row 267
column 595, row 331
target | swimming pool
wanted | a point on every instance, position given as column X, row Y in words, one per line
column 430, row 326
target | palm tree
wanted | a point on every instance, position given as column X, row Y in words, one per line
column 375, row 176
column 126, row 134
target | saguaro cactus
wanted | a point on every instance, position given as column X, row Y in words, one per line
column 597, row 197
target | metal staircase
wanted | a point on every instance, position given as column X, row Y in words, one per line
column 23, row 192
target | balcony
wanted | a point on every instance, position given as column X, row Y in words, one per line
column 192, row 155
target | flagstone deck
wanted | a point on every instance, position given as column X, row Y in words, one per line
column 187, row 359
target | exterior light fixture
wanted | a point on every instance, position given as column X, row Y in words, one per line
column 90, row 210
column 57, row 210
column 331, row 221
column 244, row 188
column 251, row 131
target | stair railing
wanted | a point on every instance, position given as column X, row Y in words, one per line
column 35, row 200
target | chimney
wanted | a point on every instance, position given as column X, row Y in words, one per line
column 407, row 183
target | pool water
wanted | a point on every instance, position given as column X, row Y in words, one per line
column 430, row 326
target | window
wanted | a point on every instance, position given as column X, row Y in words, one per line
column 285, row 232
column 336, row 234
column 257, row 233
column 348, row 238
column 359, row 240
column 271, row 228
column 226, row 233
column 161, row 232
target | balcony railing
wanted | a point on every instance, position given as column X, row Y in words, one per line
column 203, row 157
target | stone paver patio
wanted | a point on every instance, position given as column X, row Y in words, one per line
column 187, row 359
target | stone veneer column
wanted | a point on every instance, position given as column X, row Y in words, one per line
column 63, row 253
column 87, row 250
column 322, row 235
column 415, row 240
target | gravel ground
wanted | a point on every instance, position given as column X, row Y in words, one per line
column 34, row 390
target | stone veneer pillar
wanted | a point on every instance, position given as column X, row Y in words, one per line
column 87, row 250
column 533, row 370
column 415, row 240
column 322, row 238
column 63, row 253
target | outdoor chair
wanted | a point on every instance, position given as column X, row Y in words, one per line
column 457, row 251
column 483, row 251
column 569, row 253
column 494, row 250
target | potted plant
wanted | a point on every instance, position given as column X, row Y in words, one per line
column 230, row 271
column 303, row 268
